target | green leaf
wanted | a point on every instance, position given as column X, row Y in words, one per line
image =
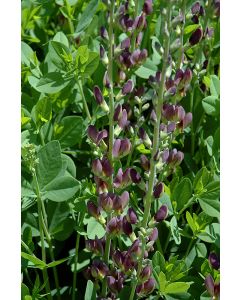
column 158, row 260
column 215, row 86
column 182, row 193
column 43, row 111
column 162, row 281
column 24, row 291
column 50, row 162
column 69, row 131
column 90, row 293
column 38, row 263
column 61, row 38
column 147, row 69
column 94, row 228
column 211, row 234
column 191, row 222
column 91, row 64
column 201, row 250
column 209, row 143
column 177, row 287
column 175, row 230
column 87, row 15
column 57, row 262
column 211, row 105
column 61, row 188
column 190, row 28
column 201, row 180
column 51, row 83
column 59, row 54
column 82, row 54
column 209, row 200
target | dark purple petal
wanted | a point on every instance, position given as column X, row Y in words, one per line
column 147, row 7
column 127, row 88
column 106, row 167
column 131, row 216
column 145, row 162
column 116, row 147
column 117, row 182
column 123, row 121
column 162, row 213
column 154, row 235
column 101, row 135
column 125, row 147
column 125, row 44
column 98, row 94
column 104, row 33
column 126, row 227
column 135, row 176
column 106, row 202
column 195, row 8
column 145, row 273
column 93, row 210
column 171, row 127
column 97, row 167
column 209, row 283
column 214, row 260
column 102, row 51
column 158, row 190
column 92, row 133
column 106, row 80
column 196, row 36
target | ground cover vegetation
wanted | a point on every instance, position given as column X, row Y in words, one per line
column 120, row 149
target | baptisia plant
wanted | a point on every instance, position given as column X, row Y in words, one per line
column 133, row 122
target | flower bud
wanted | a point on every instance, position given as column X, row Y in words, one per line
column 125, row 44
column 121, row 147
column 127, row 88
column 114, row 226
column 96, row 246
column 209, row 283
column 121, row 75
column 196, row 36
column 145, row 273
column 104, row 33
column 97, row 167
column 126, row 227
column 153, row 235
column 145, row 163
column 106, row 167
column 147, row 7
column 103, row 55
column 98, row 95
column 106, row 202
column 214, row 260
column 93, row 210
column 106, row 80
column 131, row 216
column 195, row 8
column 145, row 138
column 99, row 269
column 161, row 214
column 146, row 287
column 115, row 284
column 158, row 190
column 135, row 176
column 96, row 136
column 135, row 250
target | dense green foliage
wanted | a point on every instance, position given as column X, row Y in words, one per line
column 62, row 64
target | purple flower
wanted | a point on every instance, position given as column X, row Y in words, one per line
column 146, row 287
column 104, row 33
column 96, row 245
column 158, row 190
column 153, row 235
column 195, row 8
column 196, row 36
column 106, row 202
column 214, row 260
column 115, row 284
column 209, row 283
column 96, row 136
column 127, row 227
column 145, row 273
column 114, row 226
column 121, row 147
column 147, row 7
column 106, row 80
column 161, row 214
column 99, row 269
column 131, row 216
column 93, row 210
column 120, row 202
column 175, row 157
column 135, row 176
column 145, row 163
column 98, row 95
column 127, row 88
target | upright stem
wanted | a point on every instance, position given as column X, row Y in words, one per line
column 79, row 83
column 148, row 197
column 133, row 42
column 79, row 221
column 181, row 56
column 111, row 129
column 45, row 274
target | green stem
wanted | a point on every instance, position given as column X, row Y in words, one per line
column 181, row 56
column 79, row 83
column 45, row 274
column 133, row 42
column 111, row 130
column 192, row 129
column 75, row 266
column 148, row 197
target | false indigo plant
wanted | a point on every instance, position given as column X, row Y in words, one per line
column 120, row 150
